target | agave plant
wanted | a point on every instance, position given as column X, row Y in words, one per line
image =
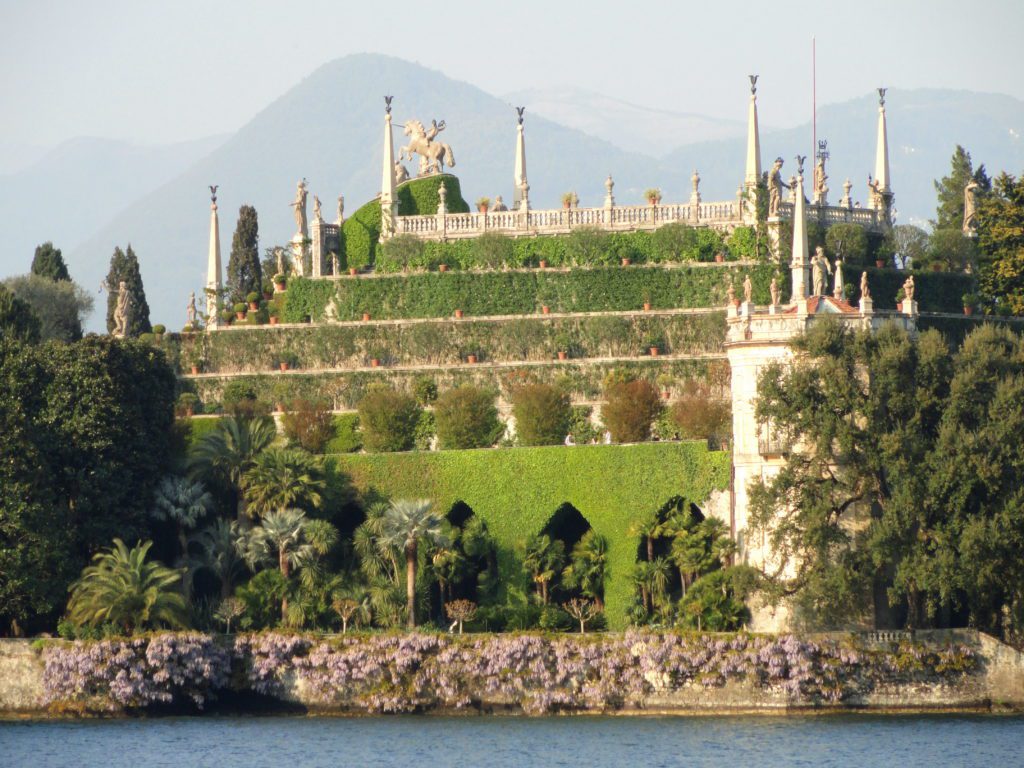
column 125, row 589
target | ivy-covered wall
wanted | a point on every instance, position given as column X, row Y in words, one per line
column 524, row 292
column 448, row 342
column 517, row 490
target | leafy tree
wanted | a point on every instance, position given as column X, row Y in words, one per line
column 17, row 320
column 406, row 524
column 849, row 242
column 1001, row 242
column 467, row 418
column 542, row 412
column 59, row 306
column 910, row 244
column 282, row 478
column 587, row 245
column 124, row 266
column 492, row 249
column 125, row 589
column 949, row 214
column 262, row 596
column 182, row 502
column 244, row 270
column 388, row 420
column 698, row 414
column 49, row 263
column 629, row 410
column 651, row 578
column 229, row 452
column 717, row 602
column 308, row 424
column 950, row 249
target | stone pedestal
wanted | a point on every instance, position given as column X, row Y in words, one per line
column 909, row 307
column 773, row 309
column 867, row 306
column 298, row 254
column 774, row 236
column 747, row 308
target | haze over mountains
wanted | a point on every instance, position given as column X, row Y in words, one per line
column 90, row 195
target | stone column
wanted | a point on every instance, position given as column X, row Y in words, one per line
column 213, row 267
column 695, row 197
column 520, row 185
column 387, row 185
column 609, row 200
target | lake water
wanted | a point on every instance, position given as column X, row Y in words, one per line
column 519, row 742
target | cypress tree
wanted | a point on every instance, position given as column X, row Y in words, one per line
column 124, row 265
column 949, row 213
column 244, row 274
column 49, row 263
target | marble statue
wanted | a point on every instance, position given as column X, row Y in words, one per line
column 775, row 187
column 341, row 210
column 970, row 207
column 401, row 174
column 908, row 289
column 864, row 292
column 299, row 204
column 121, row 311
column 316, row 209
column 773, row 289
column 748, row 289
column 875, row 192
column 820, row 183
column 839, row 286
column 819, row 268
column 190, row 310
column 434, row 155
column 499, row 205
column 730, row 293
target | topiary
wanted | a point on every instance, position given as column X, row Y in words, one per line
column 159, row 329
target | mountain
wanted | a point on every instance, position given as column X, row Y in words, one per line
column 329, row 129
column 654, row 132
column 78, row 185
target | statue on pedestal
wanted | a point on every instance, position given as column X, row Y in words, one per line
column 970, row 207
column 748, row 289
column 875, row 192
column 434, row 156
column 299, row 204
column 773, row 289
column 499, row 205
column 775, row 187
column 908, row 289
column 190, row 310
column 820, row 185
column 730, row 293
column 864, row 292
column 316, row 210
column 819, row 268
column 121, row 311
column 401, row 174
column 341, row 210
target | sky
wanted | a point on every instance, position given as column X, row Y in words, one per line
column 160, row 72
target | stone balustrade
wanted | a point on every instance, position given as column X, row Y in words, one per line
column 835, row 214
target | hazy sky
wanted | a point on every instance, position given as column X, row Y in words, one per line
column 154, row 72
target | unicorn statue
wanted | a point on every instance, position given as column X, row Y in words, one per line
column 434, row 155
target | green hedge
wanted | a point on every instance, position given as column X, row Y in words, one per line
column 517, row 490
column 347, row 438
column 934, row 291
column 530, row 338
column 955, row 329
column 344, row 390
column 597, row 289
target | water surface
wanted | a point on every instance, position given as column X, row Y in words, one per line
column 518, row 742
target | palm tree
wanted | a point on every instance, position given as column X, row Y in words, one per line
column 651, row 576
column 543, row 558
column 229, row 451
column 406, row 523
column 377, row 559
column 122, row 588
column 586, row 572
column 182, row 502
column 280, row 479
column 218, row 552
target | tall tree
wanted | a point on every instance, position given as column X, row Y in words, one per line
column 244, row 271
column 17, row 320
column 124, row 266
column 405, row 525
column 60, row 306
column 949, row 213
column 230, row 451
column 49, row 263
column 1001, row 242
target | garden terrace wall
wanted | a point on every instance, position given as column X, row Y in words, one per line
column 522, row 292
column 517, row 490
column 344, row 389
column 449, row 342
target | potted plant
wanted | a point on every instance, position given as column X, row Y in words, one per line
column 254, row 300
column 240, row 309
column 647, row 306
column 280, row 394
column 187, row 404
column 880, row 263
column 352, row 271
column 483, row 203
column 566, row 344
column 626, row 261
column 442, row 267
column 159, row 330
column 719, row 257
column 543, row 263
column 458, row 314
column 665, row 381
column 288, row 360
column 653, row 196
column 471, row 358
column 567, row 200
column 374, row 362
column 545, row 310
column 273, row 317
column 655, row 343
column 970, row 302
column 268, row 289
column 279, row 282
column 563, row 355
column 366, row 317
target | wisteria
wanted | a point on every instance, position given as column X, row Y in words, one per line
column 538, row 674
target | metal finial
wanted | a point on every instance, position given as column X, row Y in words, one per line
column 822, row 153
column 800, row 164
column 520, row 111
column 753, row 84
column 881, row 96
column 387, row 104
column 213, row 192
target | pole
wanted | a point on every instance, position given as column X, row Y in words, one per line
column 814, row 97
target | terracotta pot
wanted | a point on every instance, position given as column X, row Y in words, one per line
column 273, row 320
column 442, row 267
column 566, row 205
column 268, row 296
column 719, row 258
column 626, row 262
column 279, row 287
column 284, row 366
column 543, row 264
column 352, row 271
column 647, row 306
column 654, row 351
column 666, row 394
column 195, row 370
column 563, row 355
column 366, row 317
column 279, row 407
column 254, row 306
column 968, row 310
column 375, row 363
column 482, row 208
column 240, row 315
column 880, row 263
column 458, row 314
column 545, row 310
column 189, row 413
column 470, row 359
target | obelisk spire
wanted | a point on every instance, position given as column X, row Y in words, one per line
column 882, row 150
column 753, row 175
column 213, row 272
column 800, row 265
column 521, row 191
column 387, row 184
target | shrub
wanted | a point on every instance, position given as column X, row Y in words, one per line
column 425, row 390
column 400, row 253
column 239, row 398
column 467, row 418
column 159, row 329
column 426, row 429
column 697, row 414
column 388, row 420
column 308, row 424
column 588, row 245
column 950, row 249
column 581, row 428
column 543, row 414
column 742, row 243
column 187, row 405
column 347, row 437
column 492, row 250
column 849, row 242
column 629, row 410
